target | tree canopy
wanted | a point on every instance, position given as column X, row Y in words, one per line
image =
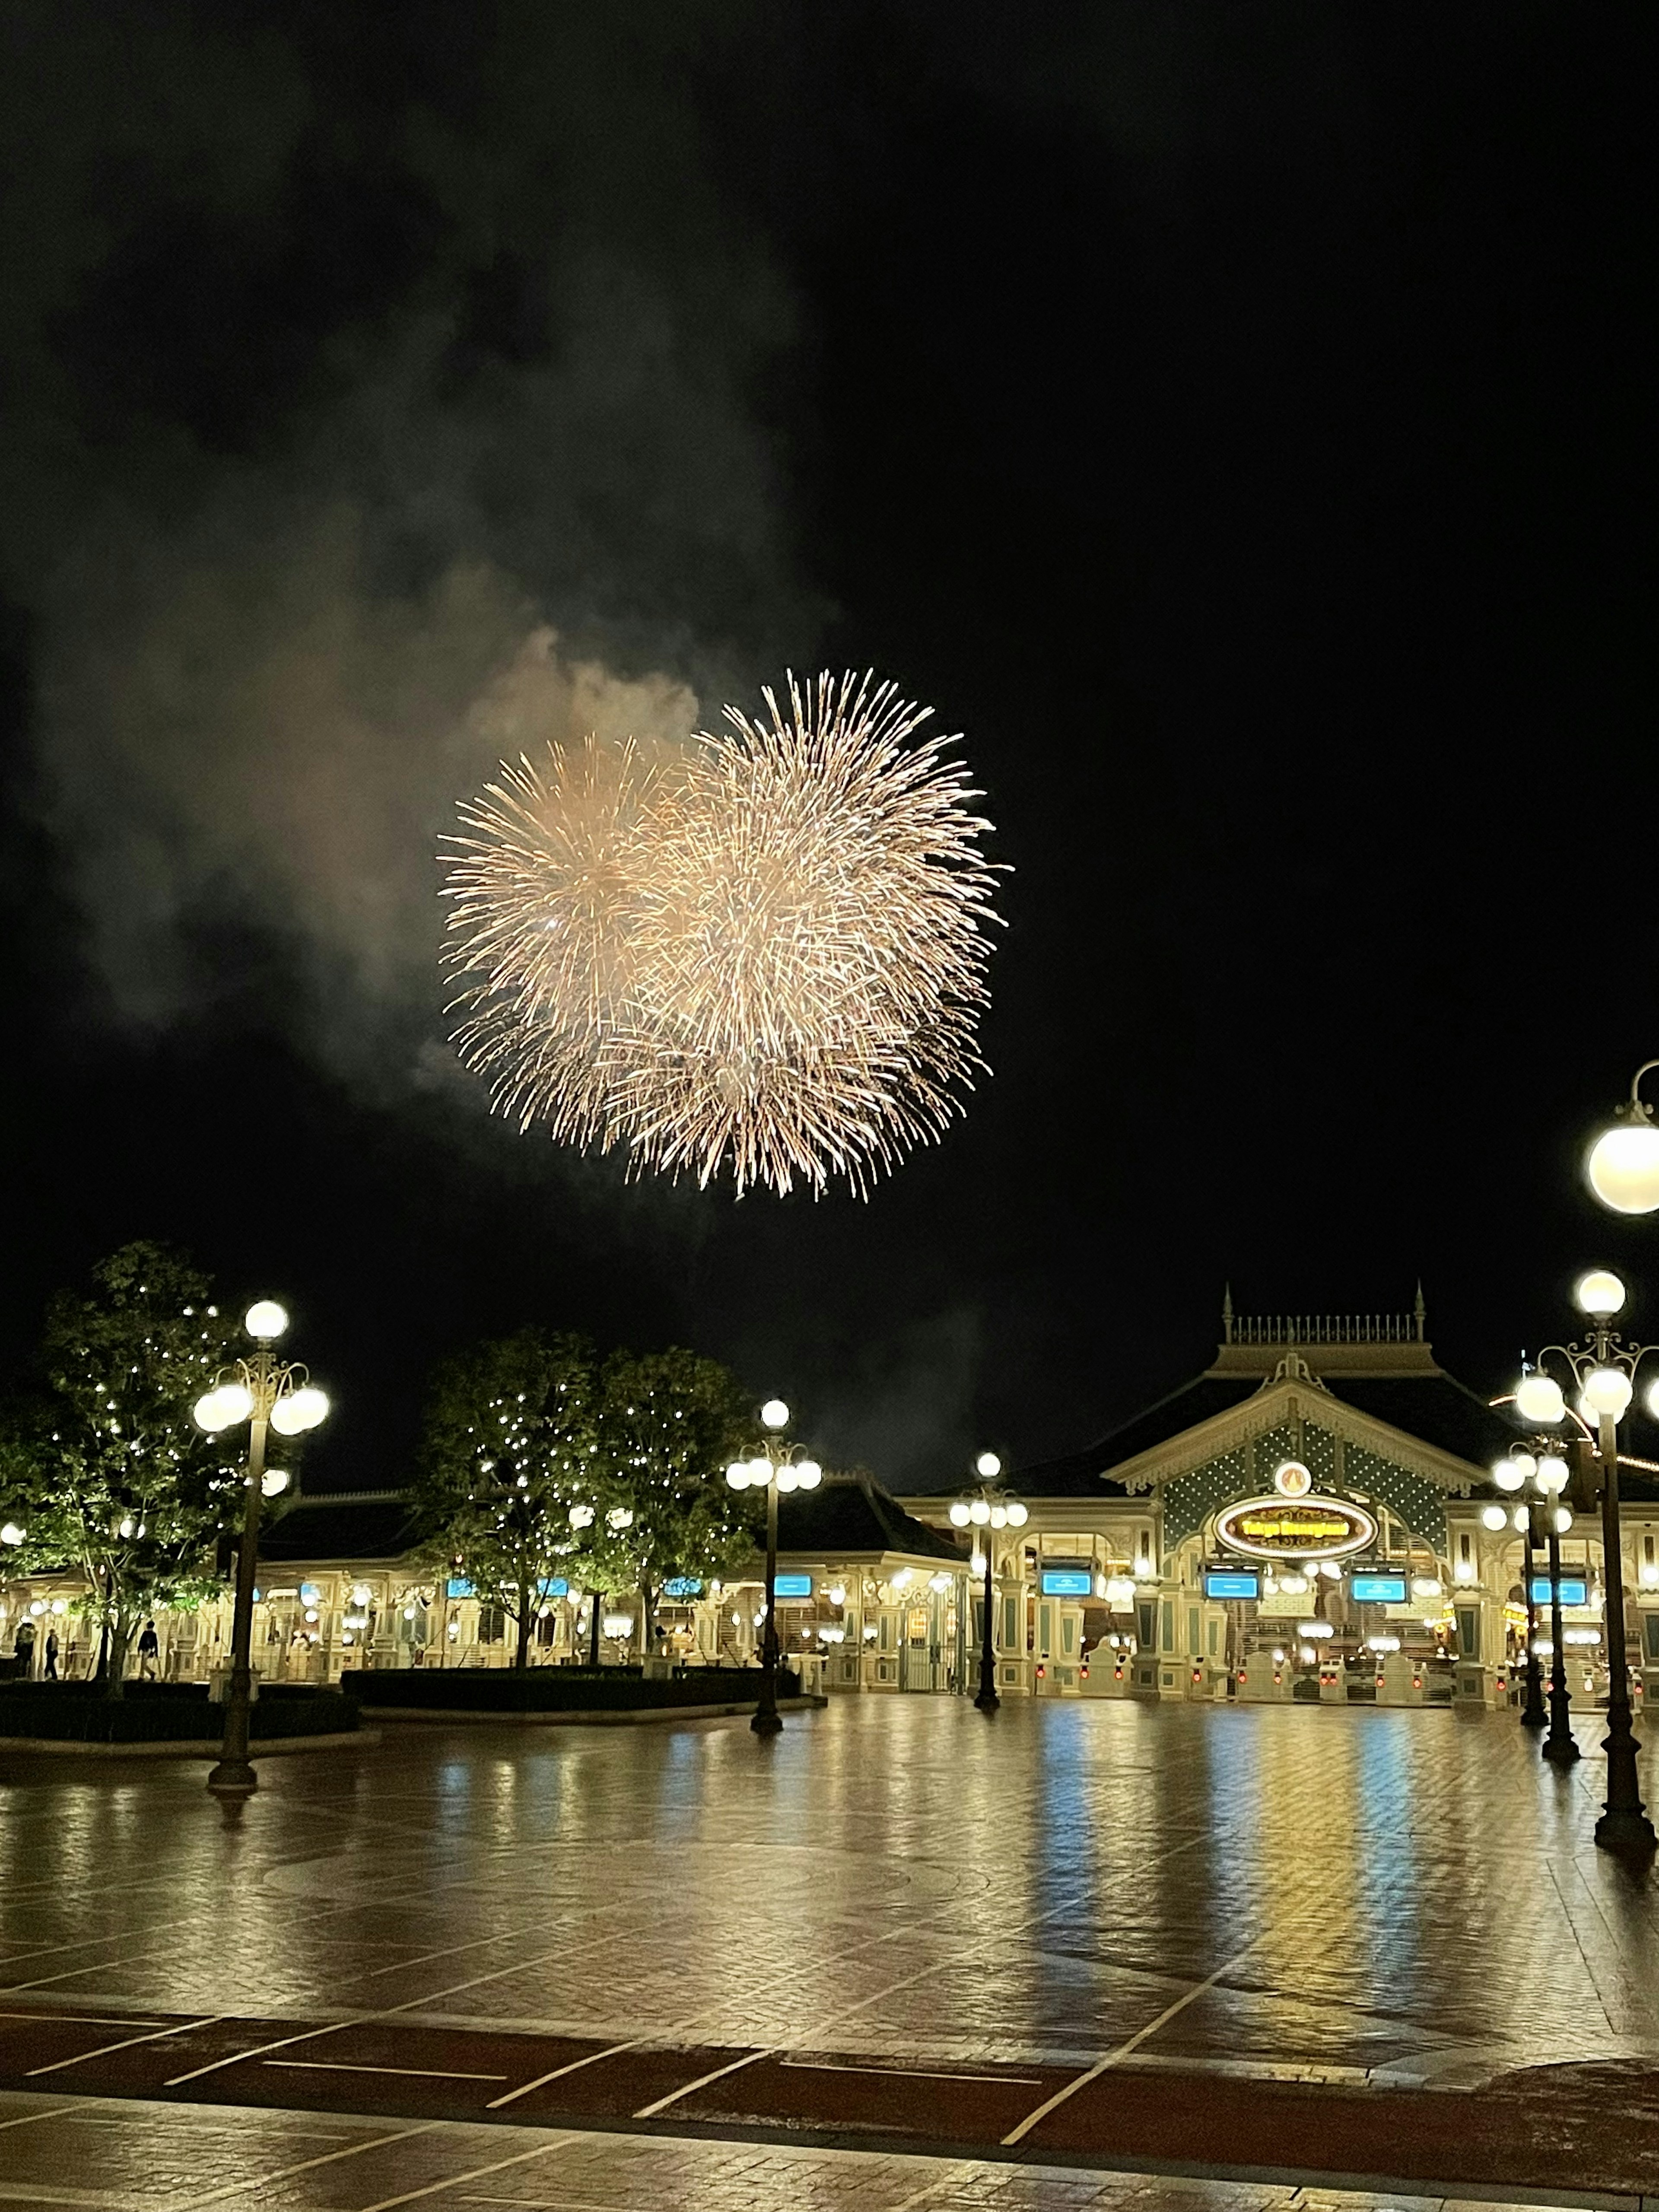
column 106, row 1470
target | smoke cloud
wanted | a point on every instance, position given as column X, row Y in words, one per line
column 362, row 432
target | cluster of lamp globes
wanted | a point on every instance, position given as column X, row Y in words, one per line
column 293, row 1412
column 788, row 1475
column 1604, row 1392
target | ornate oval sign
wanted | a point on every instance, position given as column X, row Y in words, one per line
column 1279, row 1527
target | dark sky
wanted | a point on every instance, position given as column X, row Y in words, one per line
column 1235, row 420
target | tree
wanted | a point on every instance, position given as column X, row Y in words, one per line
column 111, row 1474
column 510, row 1480
column 671, row 1421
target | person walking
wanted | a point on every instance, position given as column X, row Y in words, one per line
column 150, row 1650
column 49, row 1672
column 22, row 1646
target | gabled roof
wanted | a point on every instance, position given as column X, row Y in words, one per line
column 850, row 1517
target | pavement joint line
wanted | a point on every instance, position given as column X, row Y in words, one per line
column 1113, row 2057
column 52, row 2112
column 129, row 2043
column 350, row 2066
column 571, row 2066
column 904, row 2073
column 455, row 2180
column 80, row 2019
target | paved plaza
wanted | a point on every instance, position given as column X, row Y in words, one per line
column 1076, row 1955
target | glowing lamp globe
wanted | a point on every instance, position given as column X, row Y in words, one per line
column 987, row 1467
column 998, row 1516
column 1622, row 1167
column 265, row 1319
column 1563, row 1520
column 296, row 1411
column 1538, row 1398
column 959, row 1516
column 1509, row 1474
column 1609, row 1391
column 10, row 1534
column 1018, row 1514
column 274, row 1481
column 1494, row 1517
column 1522, row 1516
column 1552, row 1474
column 787, row 1478
column 775, row 1414
column 979, row 1512
column 737, row 1474
column 1600, row 1293
column 808, row 1474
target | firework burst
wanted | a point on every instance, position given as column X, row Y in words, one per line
column 767, row 957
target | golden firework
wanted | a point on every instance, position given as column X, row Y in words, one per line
column 769, row 956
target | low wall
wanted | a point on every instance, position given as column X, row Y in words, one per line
column 415, row 1690
column 176, row 1713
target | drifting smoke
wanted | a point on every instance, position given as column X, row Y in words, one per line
column 353, row 443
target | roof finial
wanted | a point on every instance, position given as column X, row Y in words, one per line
column 1227, row 1312
column 1420, row 1311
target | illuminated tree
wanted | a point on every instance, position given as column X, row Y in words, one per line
column 512, row 1482
column 670, row 1422
column 107, row 1472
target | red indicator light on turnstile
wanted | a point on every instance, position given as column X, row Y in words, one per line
column 1117, row 1673
column 1279, row 1678
column 1198, row 1674
column 1084, row 1670
column 1242, row 1676
column 1041, row 1670
column 1417, row 1681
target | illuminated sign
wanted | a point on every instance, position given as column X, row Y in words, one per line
column 1292, row 1479
column 1575, row 1590
column 1275, row 1527
column 1221, row 1581
column 1378, row 1590
column 793, row 1585
column 1067, row 1582
column 682, row 1586
column 457, row 1586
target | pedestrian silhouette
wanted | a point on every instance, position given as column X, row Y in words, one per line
column 50, row 1669
column 148, row 1651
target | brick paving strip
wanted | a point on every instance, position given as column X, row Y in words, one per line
column 1582, row 2128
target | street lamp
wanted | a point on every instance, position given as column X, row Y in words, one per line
column 1623, row 1165
column 986, row 1509
column 1603, row 1367
column 1512, row 1474
column 265, row 1392
column 773, row 1473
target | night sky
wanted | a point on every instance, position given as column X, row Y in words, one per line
column 1236, row 421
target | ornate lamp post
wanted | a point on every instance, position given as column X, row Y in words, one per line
column 1603, row 1368
column 1623, row 1165
column 987, row 1509
column 267, row 1393
column 773, row 1470
column 1513, row 1473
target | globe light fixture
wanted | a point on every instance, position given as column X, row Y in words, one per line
column 1018, row 1514
column 987, row 1467
column 979, row 1512
column 775, row 1414
column 274, row 1481
column 1538, row 1400
column 1563, row 1520
column 296, row 1411
column 1623, row 1163
column 1509, row 1474
column 10, row 1532
column 808, row 1474
column 960, row 1515
column 1551, row 1475
column 786, row 1479
column 1495, row 1516
column 1608, row 1390
column 1599, row 1292
column 736, row 1475
column 265, row 1319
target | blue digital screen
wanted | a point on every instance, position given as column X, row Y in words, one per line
column 1223, row 1582
column 458, row 1586
column 793, row 1585
column 1575, row 1589
column 1378, row 1590
column 682, row 1586
column 1067, row 1582
column 553, row 1586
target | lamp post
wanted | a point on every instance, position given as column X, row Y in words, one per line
column 987, row 1509
column 267, row 1393
column 1603, row 1367
column 783, row 1472
column 1512, row 1475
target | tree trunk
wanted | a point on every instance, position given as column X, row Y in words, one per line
column 648, row 1615
column 595, row 1600
column 521, row 1657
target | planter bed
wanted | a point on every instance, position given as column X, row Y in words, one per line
column 167, row 1715
column 554, row 1693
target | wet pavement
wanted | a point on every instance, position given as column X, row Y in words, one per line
column 1269, row 1942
